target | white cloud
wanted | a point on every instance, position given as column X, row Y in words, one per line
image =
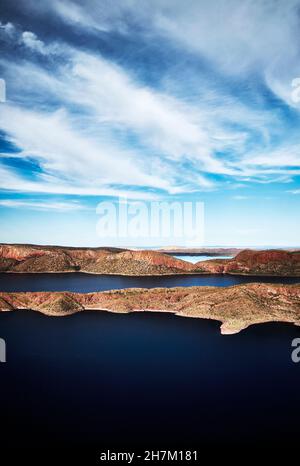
column 294, row 191
column 7, row 29
column 62, row 150
column 57, row 206
column 109, row 99
column 113, row 99
column 11, row 33
column 162, row 121
column 93, row 16
column 30, row 40
column 240, row 198
column 85, row 145
column 78, row 15
column 239, row 38
column 281, row 157
column 11, row 180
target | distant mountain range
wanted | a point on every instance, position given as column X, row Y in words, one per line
column 178, row 251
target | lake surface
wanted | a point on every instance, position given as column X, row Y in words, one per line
column 111, row 380
column 145, row 379
column 193, row 259
column 84, row 283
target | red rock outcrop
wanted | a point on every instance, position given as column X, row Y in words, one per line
column 236, row 307
column 250, row 262
column 36, row 259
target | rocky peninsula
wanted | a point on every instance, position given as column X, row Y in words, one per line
column 237, row 307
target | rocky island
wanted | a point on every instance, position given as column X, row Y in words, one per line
column 19, row 258
column 236, row 307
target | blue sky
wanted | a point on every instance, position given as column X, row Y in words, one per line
column 162, row 100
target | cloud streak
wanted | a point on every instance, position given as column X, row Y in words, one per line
column 42, row 205
column 90, row 125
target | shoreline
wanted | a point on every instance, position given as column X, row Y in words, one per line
column 237, row 306
column 168, row 274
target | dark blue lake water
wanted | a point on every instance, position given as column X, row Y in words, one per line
column 84, row 283
column 106, row 379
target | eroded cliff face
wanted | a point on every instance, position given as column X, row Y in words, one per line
column 33, row 259
column 236, row 307
column 36, row 259
column 250, row 262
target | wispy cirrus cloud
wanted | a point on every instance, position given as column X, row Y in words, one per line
column 33, row 204
column 14, row 181
column 151, row 100
column 111, row 102
column 155, row 139
column 294, row 191
column 30, row 40
column 258, row 38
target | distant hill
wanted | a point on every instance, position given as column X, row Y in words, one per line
column 113, row 261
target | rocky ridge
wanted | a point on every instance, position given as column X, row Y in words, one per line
column 114, row 261
column 236, row 307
